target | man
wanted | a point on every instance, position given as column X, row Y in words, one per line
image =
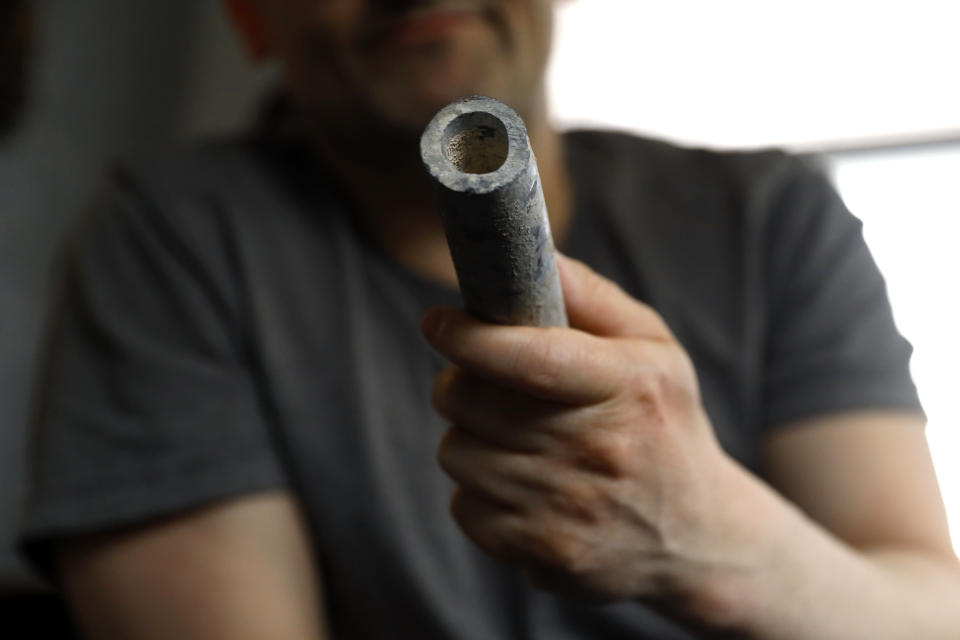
column 235, row 439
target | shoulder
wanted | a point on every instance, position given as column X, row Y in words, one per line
column 193, row 196
column 213, row 171
column 640, row 151
column 627, row 161
column 757, row 200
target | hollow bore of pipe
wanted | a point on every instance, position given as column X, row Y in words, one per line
column 476, row 142
column 491, row 203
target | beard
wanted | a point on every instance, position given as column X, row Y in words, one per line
column 396, row 80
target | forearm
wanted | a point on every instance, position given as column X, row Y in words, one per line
column 802, row 582
column 238, row 569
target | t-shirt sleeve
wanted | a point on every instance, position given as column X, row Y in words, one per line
column 831, row 342
column 147, row 404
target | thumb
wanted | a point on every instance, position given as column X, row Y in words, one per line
column 600, row 307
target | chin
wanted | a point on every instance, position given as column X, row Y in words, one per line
column 412, row 99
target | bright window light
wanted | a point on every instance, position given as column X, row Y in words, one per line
column 909, row 202
column 753, row 72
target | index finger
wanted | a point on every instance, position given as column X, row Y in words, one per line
column 556, row 364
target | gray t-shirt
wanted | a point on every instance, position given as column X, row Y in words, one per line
column 226, row 329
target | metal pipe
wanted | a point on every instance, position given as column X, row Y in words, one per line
column 494, row 214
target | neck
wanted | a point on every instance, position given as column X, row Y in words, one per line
column 392, row 198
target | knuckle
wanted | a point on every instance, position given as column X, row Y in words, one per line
column 447, row 451
column 648, row 386
column 440, row 395
column 443, row 392
column 668, row 381
column 539, row 362
column 609, row 451
column 647, row 391
column 561, row 550
column 479, row 526
column 576, row 500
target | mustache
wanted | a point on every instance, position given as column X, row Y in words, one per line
column 385, row 16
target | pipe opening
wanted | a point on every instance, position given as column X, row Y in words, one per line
column 476, row 142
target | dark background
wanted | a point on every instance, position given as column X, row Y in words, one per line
column 109, row 78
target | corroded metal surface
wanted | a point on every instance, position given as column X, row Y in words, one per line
column 494, row 214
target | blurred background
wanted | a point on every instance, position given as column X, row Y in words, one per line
column 870, row 88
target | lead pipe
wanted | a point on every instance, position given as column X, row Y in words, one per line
column 494, row 214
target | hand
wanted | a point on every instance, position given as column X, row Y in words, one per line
column 583, row 455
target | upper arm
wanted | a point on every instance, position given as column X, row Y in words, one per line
column 866, row 476
column 238, row 569
column 846, row 440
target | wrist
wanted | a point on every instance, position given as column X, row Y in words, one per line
column 748, row 534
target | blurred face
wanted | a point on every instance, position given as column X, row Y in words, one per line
column 394, row 63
